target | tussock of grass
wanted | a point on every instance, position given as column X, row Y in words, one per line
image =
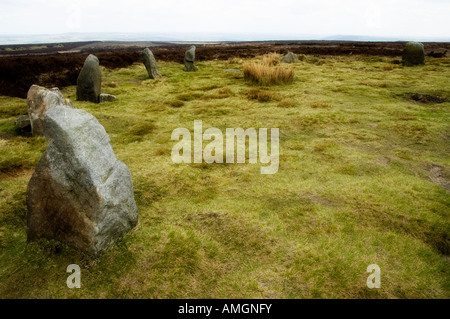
column 266, row 75
column 271, row 59
column 262, row 96
column 138, row 131
column 267, row 72
column 287, row 103
column 175, row 103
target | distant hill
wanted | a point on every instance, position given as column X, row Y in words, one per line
column 383, row 38
column 168, row 37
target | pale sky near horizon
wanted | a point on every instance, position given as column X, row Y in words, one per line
column 416, row 18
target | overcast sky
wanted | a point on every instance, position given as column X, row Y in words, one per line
column 411, row 18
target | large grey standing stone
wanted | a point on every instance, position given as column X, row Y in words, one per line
column 150, row 64
column 189, row 59
column 413, row 54
column 89, row 80
column 79, row 193
column 290, row 57
column 39, row 101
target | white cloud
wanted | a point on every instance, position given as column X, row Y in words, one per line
column 359, row 17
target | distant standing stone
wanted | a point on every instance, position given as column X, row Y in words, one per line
column 39, row 101
column 89, row 80
column 150, row 64
column 290, row 57
column 189, row 59
column 79, row 193
column 106, row 98
column 413, row 54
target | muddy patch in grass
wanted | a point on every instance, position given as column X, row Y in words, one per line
column 439, row 239
column 439, row 175
column 424, row 98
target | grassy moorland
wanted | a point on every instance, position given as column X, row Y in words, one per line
column 363, row 179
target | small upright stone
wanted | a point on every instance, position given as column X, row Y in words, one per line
column 150, row 64
column 290, row 57
column 79, row 193
column 39, row 101
column 413, row 54
column 89, row 80
column 189, row 59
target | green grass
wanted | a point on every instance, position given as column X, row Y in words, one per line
column 362, row 180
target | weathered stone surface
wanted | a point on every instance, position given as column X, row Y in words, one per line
column 68, row 102
column 106, row 98
column 150, row 64
column 89, row 80
column 290, row 57
column 39, row 101
column 80, row 193
column 413, row 54
column 189, row 59
column 23, row 121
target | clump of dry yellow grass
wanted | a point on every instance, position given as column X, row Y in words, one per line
column 271, row 59
column 268, row 72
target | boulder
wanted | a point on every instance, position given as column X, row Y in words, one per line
column 290, row 57
column 23, row 121
column 189, row 59
column 150, row 64
column 89, row 80
column 413, row 54
column 106, row 98
column 39, row 101
column 79, row 193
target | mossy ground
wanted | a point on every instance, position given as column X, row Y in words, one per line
column 362, row 180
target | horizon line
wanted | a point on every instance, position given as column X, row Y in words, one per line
column 17, row 39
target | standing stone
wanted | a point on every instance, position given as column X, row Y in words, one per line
column 150, row 64
column 290, row 57
column 79, row 193
column 413, row 54
column 189, row 59
column 89, row 80
column 39, row 101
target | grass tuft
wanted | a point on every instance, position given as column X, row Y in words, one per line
column 267, row 72
column 262, row 96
